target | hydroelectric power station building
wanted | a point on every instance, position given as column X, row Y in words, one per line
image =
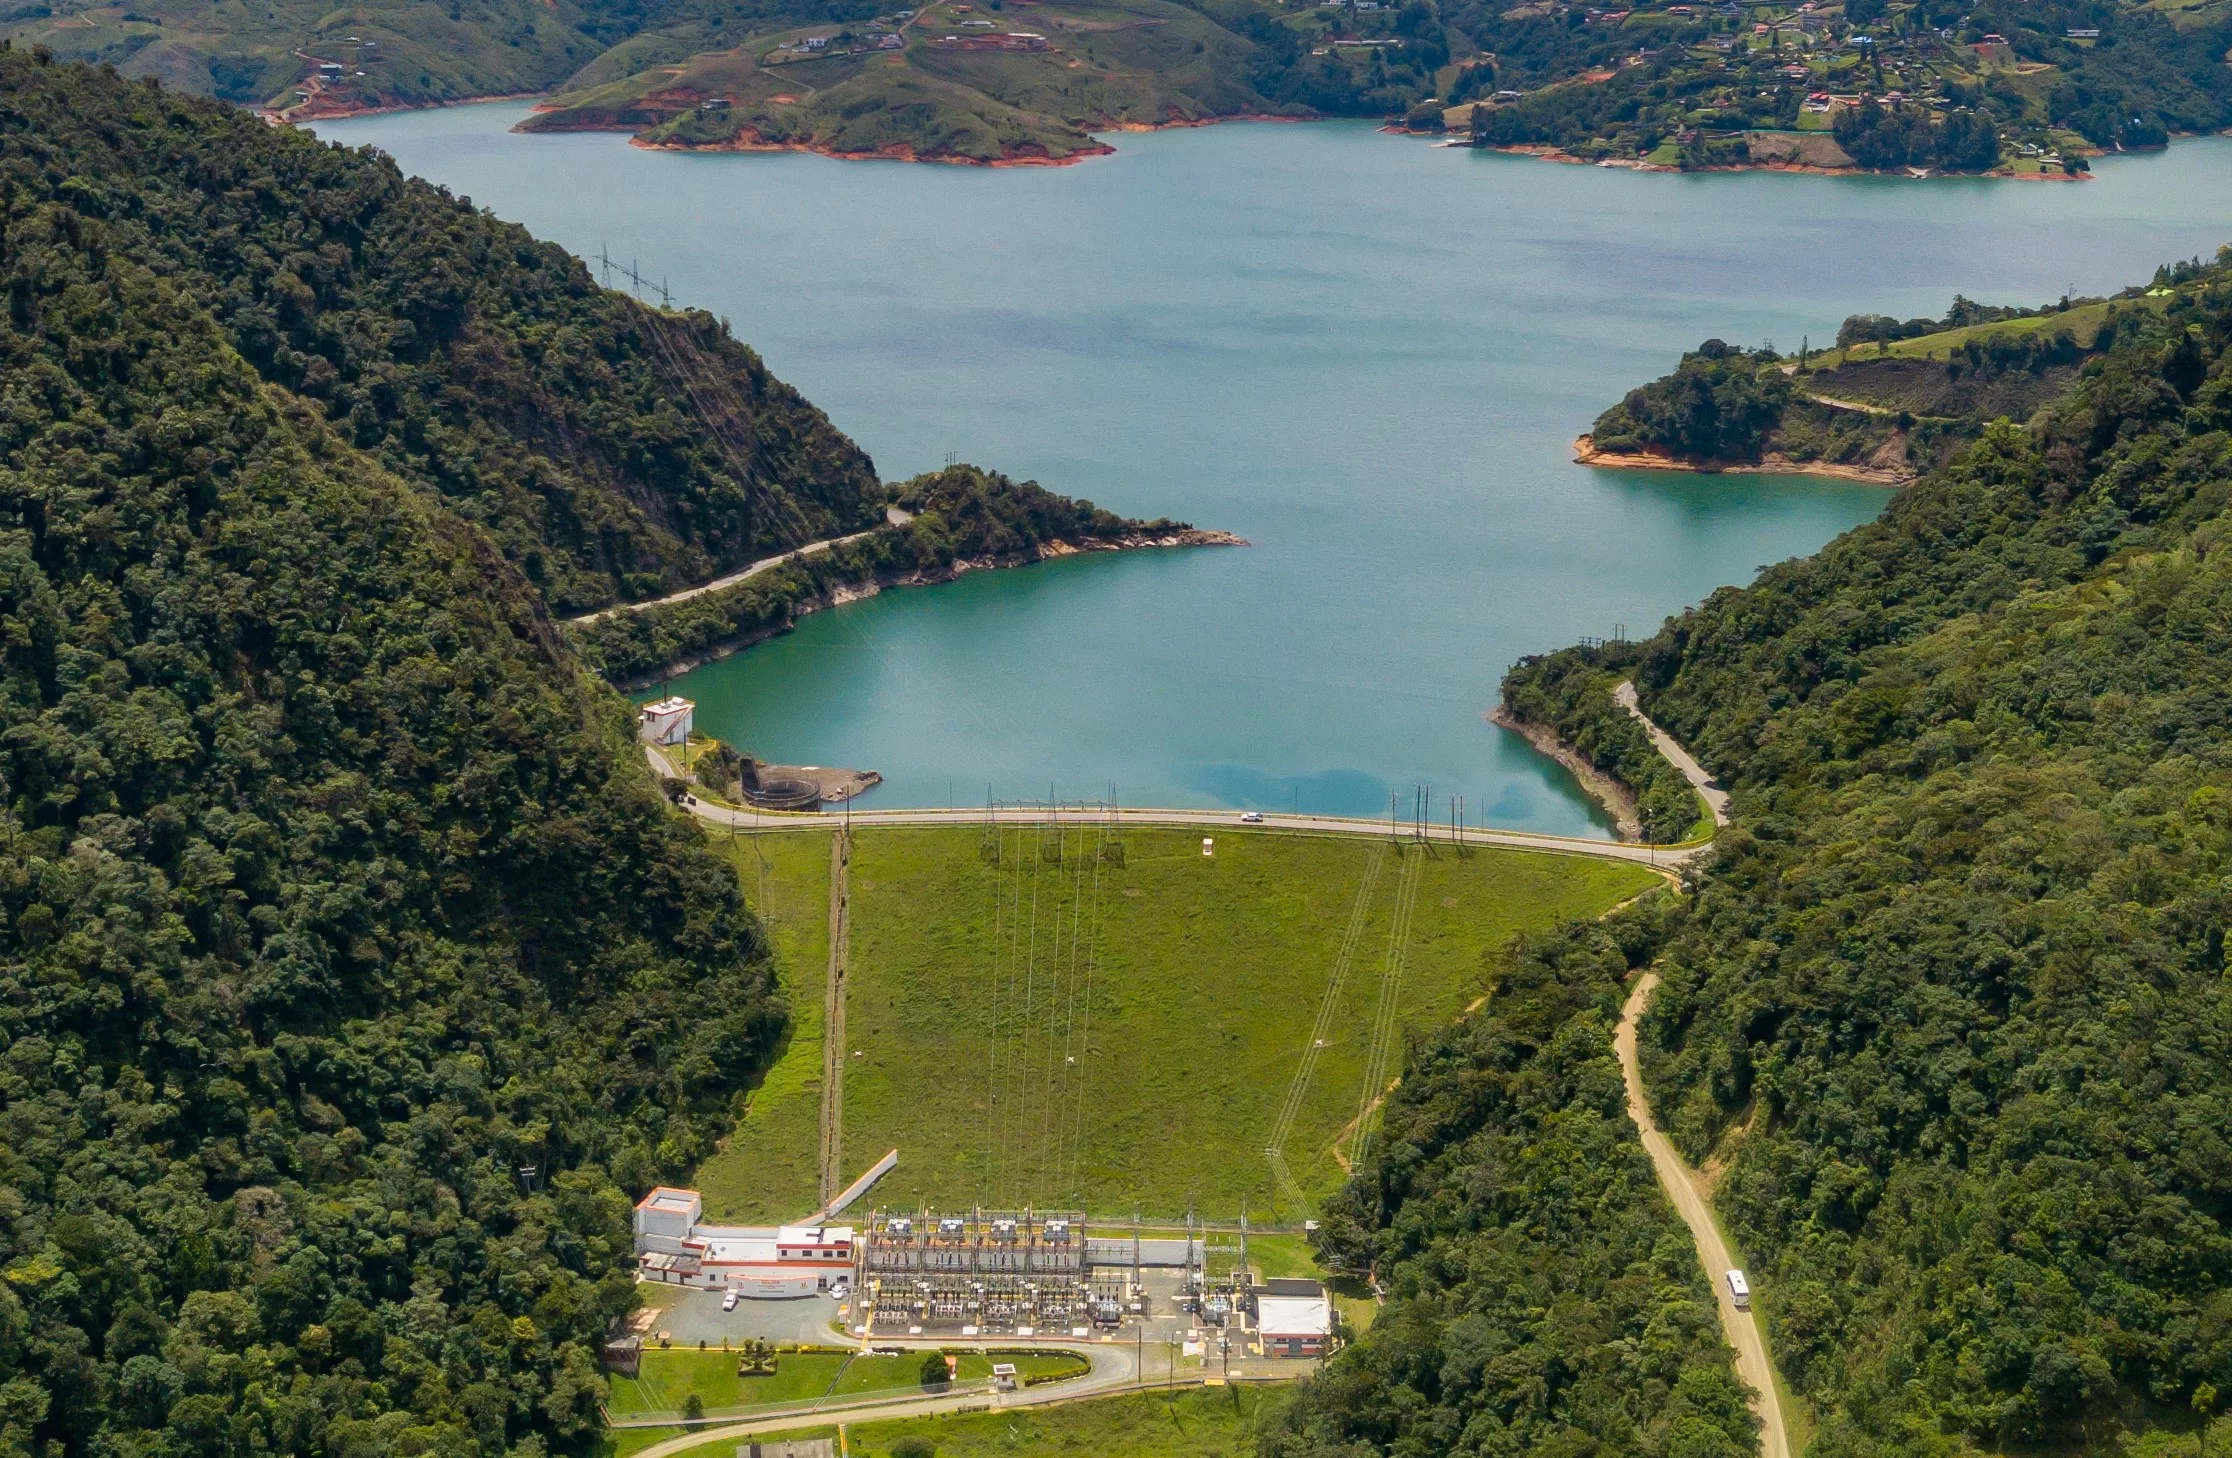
column 675, row 1245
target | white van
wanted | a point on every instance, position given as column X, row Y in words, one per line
column 1740, row 1289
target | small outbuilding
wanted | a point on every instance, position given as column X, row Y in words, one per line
column 1294, row 1318
column 669, row 721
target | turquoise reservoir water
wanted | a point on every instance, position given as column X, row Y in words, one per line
column 1365, row 354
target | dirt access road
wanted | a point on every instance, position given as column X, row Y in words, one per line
column 1682, row 1187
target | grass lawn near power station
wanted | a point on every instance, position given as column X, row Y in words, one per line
column 1190, row 1422
column 667, row 1380
column 1110, row 1021
column 768, row 1166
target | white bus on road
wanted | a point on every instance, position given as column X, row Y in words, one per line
column 1739, row 1289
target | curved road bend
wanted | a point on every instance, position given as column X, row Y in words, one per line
column 1115, row 1370
column 1681, row 1186
column 811, row 549
column 1716, row 798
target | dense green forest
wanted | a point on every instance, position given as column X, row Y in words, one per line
column 353, row 975
column 1542, row 1296
column 1720, row 404
column 351, row 971
column 613, row 452
column 1950, row 1008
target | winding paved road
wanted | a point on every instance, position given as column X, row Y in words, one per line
column 1716, row 798
column 811, row 549
column 1681, row 1185
column 1115, row 1369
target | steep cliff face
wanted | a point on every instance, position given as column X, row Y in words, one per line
column 612, row 451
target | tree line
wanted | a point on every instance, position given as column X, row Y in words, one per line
column 1947, row 1009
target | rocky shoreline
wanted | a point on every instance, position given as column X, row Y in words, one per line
column 1773, row 463
column 1548, row 152
column 889, row 152
column 1617, row 799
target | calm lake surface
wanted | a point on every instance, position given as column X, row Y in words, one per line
column 1364, row 354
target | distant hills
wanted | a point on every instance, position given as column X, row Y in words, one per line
column 2029, row 87
column 2008, row 86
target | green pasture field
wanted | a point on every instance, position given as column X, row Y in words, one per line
column 882, row 1374
column 768, row 1169
column 1281, row 1255
column 2082, row 323
column 667, row 1379
column 1191, row 1422
column 1060, row 1028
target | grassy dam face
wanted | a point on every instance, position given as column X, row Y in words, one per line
column 1070, row 1017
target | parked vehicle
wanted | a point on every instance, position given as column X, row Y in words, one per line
column 728, row 1302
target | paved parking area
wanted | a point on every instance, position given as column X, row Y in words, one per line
column 697, row 1316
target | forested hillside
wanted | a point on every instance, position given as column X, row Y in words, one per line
column 353, row 975
column 1950, row 1010
column 612, row 451
column 1542, row 1296
column 350, row 968
column 2032, row 88
column 2000, row 85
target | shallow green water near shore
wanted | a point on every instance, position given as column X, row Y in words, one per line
column 1365, row 354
